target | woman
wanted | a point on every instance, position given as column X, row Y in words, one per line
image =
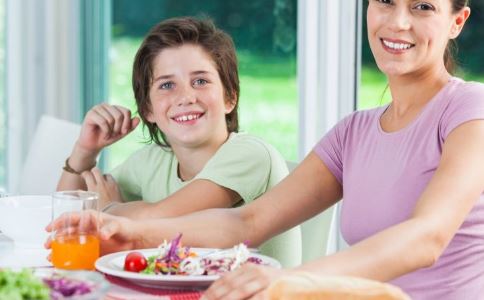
column 411, row 173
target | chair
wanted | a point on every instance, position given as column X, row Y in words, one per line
column 52, row 144
column 335, row 239
column 291, row 165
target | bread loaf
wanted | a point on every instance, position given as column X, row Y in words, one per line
column 306, row 286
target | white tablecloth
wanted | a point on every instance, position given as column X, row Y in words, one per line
column 12, row 256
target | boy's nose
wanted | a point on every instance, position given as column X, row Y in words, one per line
column 186, row 96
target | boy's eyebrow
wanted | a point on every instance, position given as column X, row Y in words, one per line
column 199, row 72
column 163, row 77
column 167, row 76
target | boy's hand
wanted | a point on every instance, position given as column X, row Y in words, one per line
column 105, row 124
column 104, row 185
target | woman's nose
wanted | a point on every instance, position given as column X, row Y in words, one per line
column 399, row 20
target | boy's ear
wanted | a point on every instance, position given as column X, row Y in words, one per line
column 230, row 103
column 149, row 117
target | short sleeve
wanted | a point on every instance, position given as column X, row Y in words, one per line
column 466, row 104
column 243, row 164
column 127, row 177
column 330, row 148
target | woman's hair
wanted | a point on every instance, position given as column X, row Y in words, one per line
column 175, row 33
column 451, row 49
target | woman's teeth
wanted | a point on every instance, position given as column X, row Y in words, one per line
column 397, row 46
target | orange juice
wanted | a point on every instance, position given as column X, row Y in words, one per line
column 75, row 252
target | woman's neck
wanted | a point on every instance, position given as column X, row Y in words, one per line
column 410, row 94
column 413, row 91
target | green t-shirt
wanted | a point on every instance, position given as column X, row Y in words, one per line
column 244, row 164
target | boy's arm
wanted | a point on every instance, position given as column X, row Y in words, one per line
column 198, row 195
column 103, row 125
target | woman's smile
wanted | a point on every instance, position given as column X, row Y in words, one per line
column 394, row 46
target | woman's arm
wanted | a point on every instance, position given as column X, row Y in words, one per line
column 440, row 211
column 308, row 190
column 405, row 247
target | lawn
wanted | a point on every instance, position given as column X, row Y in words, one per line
column 268, row 104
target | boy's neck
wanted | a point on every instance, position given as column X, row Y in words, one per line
column 192, row 160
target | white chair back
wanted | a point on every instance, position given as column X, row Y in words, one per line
column 52, row 143
column 314, row 232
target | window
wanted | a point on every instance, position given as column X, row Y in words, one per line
column 265, row 36
column 3, row 107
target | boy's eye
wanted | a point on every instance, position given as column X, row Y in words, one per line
column 166, row 85
column 199, row 81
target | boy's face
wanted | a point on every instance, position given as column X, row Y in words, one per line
column 187, row 98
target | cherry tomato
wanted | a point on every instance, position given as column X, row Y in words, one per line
column 135, row 262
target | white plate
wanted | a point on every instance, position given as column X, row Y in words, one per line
column 113, row 264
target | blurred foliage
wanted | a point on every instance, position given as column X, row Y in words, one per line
column 470, row 43
column 267, row 26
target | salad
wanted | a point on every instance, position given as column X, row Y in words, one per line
column 21, row 285
column 174, row 259
column 27, row 284
column 62, row 287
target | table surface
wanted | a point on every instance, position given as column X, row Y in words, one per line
column 21, row 257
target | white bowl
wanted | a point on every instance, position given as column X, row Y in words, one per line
column 23, row 219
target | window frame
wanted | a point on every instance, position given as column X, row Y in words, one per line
column 329, row 39
column 43, row 72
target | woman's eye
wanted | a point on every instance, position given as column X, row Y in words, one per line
column 166, row 85
column 424, row 6
column 199, row 81
column 384, row 1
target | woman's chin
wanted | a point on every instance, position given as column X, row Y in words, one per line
column 394, row 71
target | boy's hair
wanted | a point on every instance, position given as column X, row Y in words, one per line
column 176, row 32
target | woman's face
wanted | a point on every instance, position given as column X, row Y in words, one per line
column 408, row 36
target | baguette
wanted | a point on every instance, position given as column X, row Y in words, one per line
column 306, row 286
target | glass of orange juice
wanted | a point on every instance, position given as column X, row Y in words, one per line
column 75, row 242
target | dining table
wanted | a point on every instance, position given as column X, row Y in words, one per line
column 18, row 257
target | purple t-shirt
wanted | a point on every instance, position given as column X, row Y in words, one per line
column 383, row 175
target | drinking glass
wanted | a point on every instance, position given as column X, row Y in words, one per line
column 75, row 242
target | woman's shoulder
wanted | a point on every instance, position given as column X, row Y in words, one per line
column 464, row 94
column 462, row 88
column 361, row 119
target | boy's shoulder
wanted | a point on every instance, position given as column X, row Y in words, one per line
column 246, row 141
